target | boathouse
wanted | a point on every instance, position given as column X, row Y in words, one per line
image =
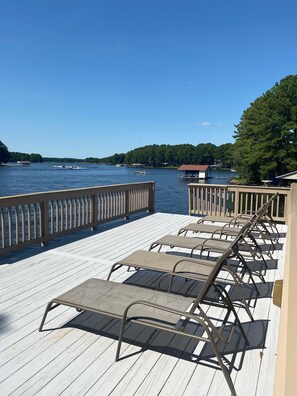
column 193, row 172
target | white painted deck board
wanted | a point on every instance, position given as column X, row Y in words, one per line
column 71, row 361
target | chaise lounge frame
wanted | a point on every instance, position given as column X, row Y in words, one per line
column 155, row 309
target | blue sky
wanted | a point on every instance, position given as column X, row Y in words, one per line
column 82, row 78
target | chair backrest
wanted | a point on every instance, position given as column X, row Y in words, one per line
column 262, row 211
column 233, row 248
column 269, row 203
column 230, row 251
column 210, row 280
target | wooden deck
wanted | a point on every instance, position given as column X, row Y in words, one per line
column 75, row 356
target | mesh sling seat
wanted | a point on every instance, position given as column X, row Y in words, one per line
column 193, row 244
column 233, row 230
column 155, row 309
column 214, row 245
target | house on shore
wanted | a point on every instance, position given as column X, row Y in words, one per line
column 287, row 178
column 137, row 165
column 193, row 172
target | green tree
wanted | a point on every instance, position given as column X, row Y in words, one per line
column 4, row 153
column 266, row 137
column 92, row 160
column 16, row 156
column 35, row 158
column 225, row 155
column 118, row 158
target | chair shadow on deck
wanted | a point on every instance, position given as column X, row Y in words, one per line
column 190, row 288
column 4, row 323
column 183, row 348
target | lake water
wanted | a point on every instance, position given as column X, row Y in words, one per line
column 171, row 191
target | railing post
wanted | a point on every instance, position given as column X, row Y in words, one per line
column 236, row 203
column 190, row 197
column 44, row 223
column 152, row 197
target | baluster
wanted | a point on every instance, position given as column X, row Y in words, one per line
column 3, row 233
column 23, row 220
column 17, row 225
column 29, row 224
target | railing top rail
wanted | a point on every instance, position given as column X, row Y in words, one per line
column 239, row 187
column 58, row 194
column 207, row 185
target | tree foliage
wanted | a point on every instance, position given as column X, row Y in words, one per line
column 266, row 137
column 17, row 156
column 174, row 155
column 60, row 159
column 35, row 158
column 4, row 153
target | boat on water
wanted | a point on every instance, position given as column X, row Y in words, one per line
column 72, row 167
column 140, row 172
column 24, row 163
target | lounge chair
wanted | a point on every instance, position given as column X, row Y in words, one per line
column 214, row 245
column 172, row 265
column 266, row 222
column 155, row 309
column 233, row 229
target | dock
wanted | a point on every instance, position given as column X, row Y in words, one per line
column 75, row 355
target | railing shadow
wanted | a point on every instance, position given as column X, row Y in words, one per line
column 4, row 323
column 31, row 251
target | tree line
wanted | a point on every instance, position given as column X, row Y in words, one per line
column 14, row 156
column 174, row 155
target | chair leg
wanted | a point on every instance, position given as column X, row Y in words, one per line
column 114, row 267
column 223, row 367
column 51, row 305
column 236, row 278
column 231, row 308
column 120, row 339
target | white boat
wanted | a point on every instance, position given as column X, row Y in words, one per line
column 24, row 163
column 75, row 167
column 140, row 173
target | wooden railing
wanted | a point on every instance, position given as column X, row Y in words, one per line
column 229, row 200
column 37, row 218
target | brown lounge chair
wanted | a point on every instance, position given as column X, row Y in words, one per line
column 233, row 229
column 266, row 222
column 155, row 309
column 216, row 245
column 172, row 265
